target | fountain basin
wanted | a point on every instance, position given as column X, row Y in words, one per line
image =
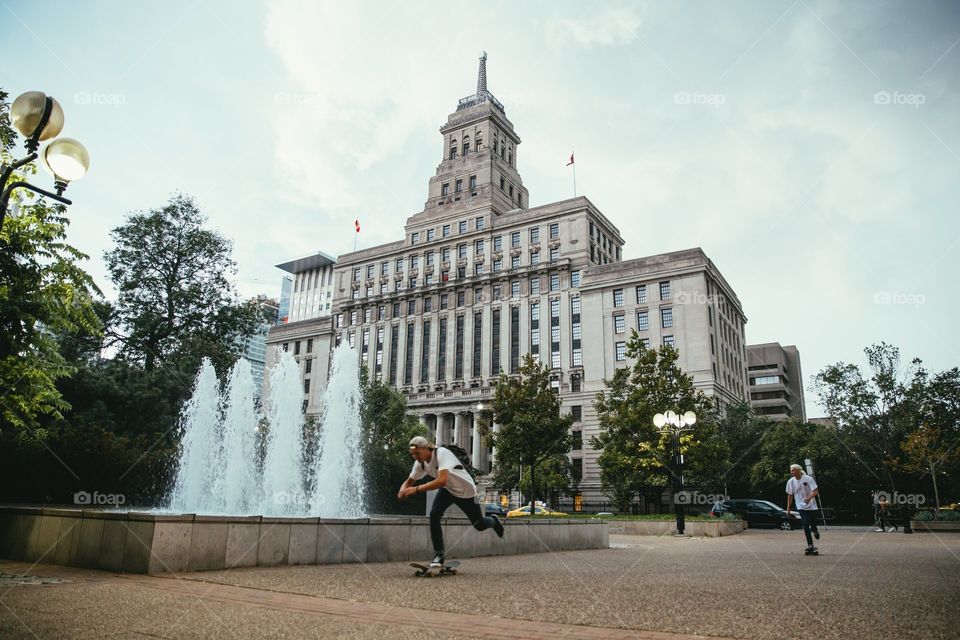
column 152, row 543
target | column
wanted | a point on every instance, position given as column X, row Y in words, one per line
column 475, row 449
column 441, row 429
column 458, row 429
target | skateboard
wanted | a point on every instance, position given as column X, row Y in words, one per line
column 811, row 551
column 424, row 570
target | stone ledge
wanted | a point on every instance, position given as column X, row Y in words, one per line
column 159, row 543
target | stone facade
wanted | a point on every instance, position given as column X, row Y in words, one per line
column 481, row 278
column 776, row 381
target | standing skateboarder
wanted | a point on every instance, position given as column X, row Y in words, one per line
column 453, row 484
column 803, row 488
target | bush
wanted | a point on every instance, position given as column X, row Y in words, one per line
column 923, row 516
column 949, row 516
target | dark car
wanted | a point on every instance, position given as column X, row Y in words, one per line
column 493, row 509
column 759, row 513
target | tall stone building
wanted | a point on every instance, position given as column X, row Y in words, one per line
column 482, row 278
column 776, row 381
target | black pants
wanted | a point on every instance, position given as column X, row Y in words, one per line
column 469, row 506
column 809, row 519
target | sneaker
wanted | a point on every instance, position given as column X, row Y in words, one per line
column 437, row 562
column 816, row 534
column 881, row 531
column 497, row 525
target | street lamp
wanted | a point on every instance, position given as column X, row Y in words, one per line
column 675, row 423
column 38, row 117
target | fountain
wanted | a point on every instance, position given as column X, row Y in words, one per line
column 264, row 490
column 220, row 470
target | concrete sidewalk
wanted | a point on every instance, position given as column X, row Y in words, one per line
column 757, row 584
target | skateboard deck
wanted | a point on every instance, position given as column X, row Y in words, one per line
column 424, row 570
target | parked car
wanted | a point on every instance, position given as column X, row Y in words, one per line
column 525, row 511
column 493, row 509
column 759, row 513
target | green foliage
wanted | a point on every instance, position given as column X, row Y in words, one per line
column 43, row 291
column 176, row 300
column 635, row 456
column 387, row 430
column 532, row 430
column 555, row 476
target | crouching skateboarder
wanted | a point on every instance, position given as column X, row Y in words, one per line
column 454, row 485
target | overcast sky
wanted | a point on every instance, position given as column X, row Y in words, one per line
column 812, row 149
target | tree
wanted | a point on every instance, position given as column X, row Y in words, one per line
column 531, row 426
column 43, row 291
column 387, row 430
column 175, row 296
column 874, row 413
column 635, row 455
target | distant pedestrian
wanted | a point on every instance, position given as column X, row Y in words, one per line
column 883, row 512
column 454, row 485
column 803, row 489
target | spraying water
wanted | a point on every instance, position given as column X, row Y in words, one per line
column 339, row 487
column 220, row 470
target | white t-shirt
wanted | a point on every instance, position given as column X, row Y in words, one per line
column 801, row 490
column 459, row 482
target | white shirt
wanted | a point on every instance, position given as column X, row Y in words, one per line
column 459, row 482
column 801, row 490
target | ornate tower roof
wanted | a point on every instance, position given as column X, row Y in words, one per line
column 482, row 95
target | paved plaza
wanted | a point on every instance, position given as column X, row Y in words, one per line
column 757, row 584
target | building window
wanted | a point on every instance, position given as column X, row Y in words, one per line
column 353, row 317
column 308, row 366
column 446, row 231
column 664, row 290
column 442, row 351
column 473, row 185
column 515, row 239
column 514, row 262
column 462, row 251
column 477, row 342
column 431, row 234
column 365, row 345
column 534, row 235
column 576, row 331
column 621, row 351
column 384, row 268
column 425, row 353
column 478, row 269
column 619, row 326
column 498, row 243
column 478, row 247
column 495, row 343
column 461, row 298
column 399, row 265
column 458, row 362
column 618, row 297
column 666, row 318
column 554, row 231
column 296, row 348
column 306, row 385
column 535, row 331
column 575, row 279
column 534, row 285
column 461, row 272
column 412, row 283
column 479, row 221
column 496, row 293
column 535, row 258
column 408, row 364
column 514, row 338
column 338, row 322
column 384, row 287
column 309, row 345
column 369, row 271
column 394, row 350
column 411, row 307
column 428, row 304
column 554, row 282
column 668, row 340
column 368, row 314
column 502, row 183
column 463, row 226
column 554, row 253
column 497, row 265
column 555, row 333
column 576, row 412
column 444, row 302
column 643, row 320
column 642, row 294
column 458, row 186
column 515, row 289
column 415, row 237
column 356, row 275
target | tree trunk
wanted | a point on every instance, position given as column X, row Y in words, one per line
column 533, row 490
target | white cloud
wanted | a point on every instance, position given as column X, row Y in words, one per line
column 607, row 27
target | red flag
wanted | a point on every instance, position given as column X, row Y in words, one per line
column 356, row 223
column 571, row 160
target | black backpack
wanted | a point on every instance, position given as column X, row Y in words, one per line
column 464, row 458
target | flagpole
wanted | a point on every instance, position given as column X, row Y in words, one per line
column 574, row 179
column 355, row 234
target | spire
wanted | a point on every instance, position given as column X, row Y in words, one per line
column 482, row 75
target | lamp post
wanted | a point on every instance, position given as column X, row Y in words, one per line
column 39, row 117
column 675, row 423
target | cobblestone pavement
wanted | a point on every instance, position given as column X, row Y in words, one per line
column 753, row 585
